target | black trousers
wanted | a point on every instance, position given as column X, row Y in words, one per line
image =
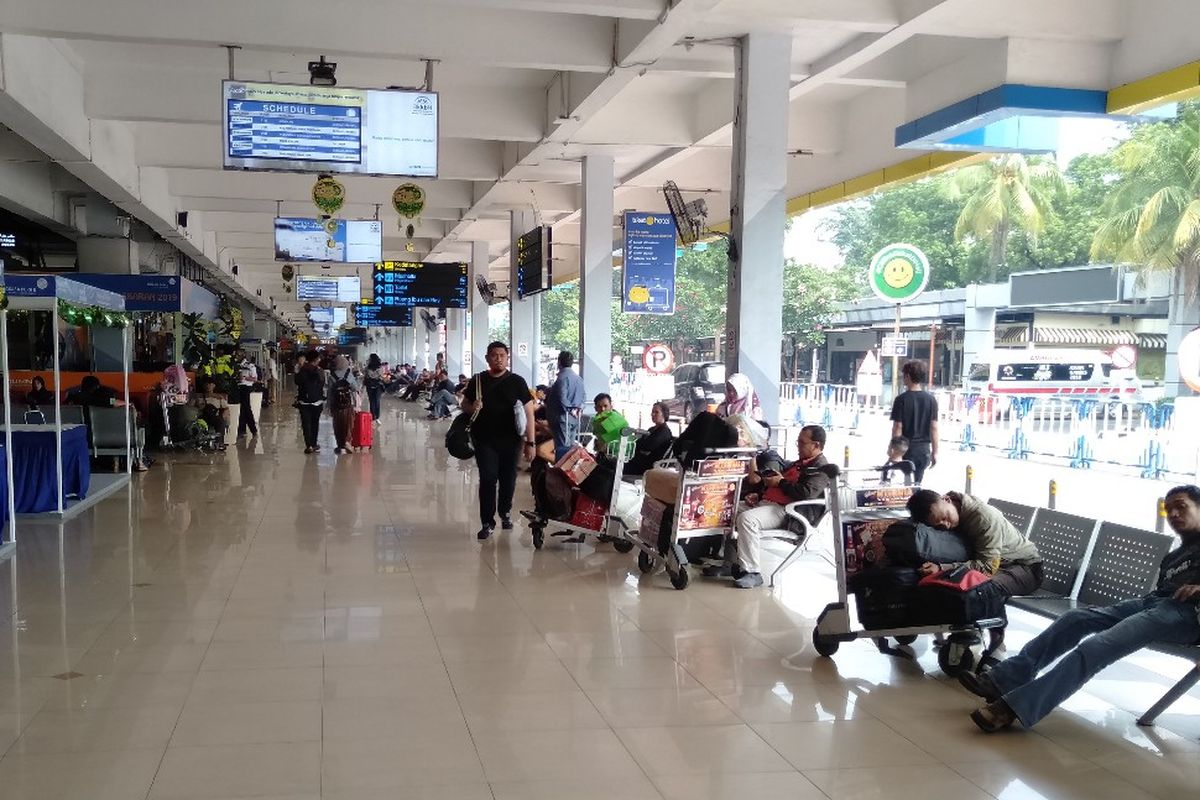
column 246, row 419
column 1019, row 579
column 310, row 422
column 497, row 461
column 919, row 454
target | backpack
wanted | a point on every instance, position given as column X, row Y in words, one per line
column 706, row 432
column 911, row 544
column 343, row 392
column 959, row 596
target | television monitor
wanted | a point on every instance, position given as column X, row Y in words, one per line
column 301, row 128
column 353, row 241
column 534, row 262
column 413, row 284
column 351, row 336
column 369, row 315
column 334, row 288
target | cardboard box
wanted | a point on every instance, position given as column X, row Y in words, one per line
column 576, row 464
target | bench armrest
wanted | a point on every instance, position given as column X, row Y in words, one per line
column 793, row 509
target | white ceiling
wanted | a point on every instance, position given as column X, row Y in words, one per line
column 648, row 82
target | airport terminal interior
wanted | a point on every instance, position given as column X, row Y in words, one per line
column 260, row 621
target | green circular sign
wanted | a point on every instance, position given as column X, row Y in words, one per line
column 899, row 273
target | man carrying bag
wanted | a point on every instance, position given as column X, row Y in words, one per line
column 494, row 399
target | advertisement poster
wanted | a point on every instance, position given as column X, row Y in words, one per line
column 648, row 276
column 708, row 505
column 653, row 514
column 883, row 497
column 731, row 467
column 864, row 542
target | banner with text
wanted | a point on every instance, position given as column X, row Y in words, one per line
column 649, row 272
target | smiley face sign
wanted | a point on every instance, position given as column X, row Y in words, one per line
column 899, row 273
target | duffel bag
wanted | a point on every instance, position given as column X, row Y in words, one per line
column 959, row 596
column 598, row 485
column 911, row 544
column 885, row 597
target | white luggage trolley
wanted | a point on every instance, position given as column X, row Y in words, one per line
column 860, row 514
column 610, row 527
column 706, row 504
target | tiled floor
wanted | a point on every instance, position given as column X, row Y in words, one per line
column 269, row 625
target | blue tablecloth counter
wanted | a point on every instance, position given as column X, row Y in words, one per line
column 34, row 470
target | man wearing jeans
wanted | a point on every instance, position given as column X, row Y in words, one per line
column 564, row 403
column 1088, row 640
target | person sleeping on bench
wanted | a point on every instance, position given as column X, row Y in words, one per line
column 1090, row 639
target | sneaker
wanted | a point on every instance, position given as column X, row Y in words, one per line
column 718, row 571
column 506, row 523
column 308, row 451
column 316, row 448
column 484, row 533
column 431, row 416
column 750, row 580
column 994, row 717
column 981, row 685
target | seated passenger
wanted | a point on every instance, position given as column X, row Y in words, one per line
column 214, row 407
column 740, row 398
column 653, row 445
column 92, row 393
column 997, row 548
column 763, row 508
column 1089, row 639
column 443, row 397
column 38, row 395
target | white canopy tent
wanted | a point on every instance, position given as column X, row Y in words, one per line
column 43, row 293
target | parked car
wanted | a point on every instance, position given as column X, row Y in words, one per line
column 698, row 386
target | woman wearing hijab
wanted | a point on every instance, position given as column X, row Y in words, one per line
column 740, row 398
column 343, row 400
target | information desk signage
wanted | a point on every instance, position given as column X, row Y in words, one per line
column 369, row 315
column 417, row 285
column 534, row 262
column 274, row 126
column 648, row 281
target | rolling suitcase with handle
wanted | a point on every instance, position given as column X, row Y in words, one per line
column 362, row 435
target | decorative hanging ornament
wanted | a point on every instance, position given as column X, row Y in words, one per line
column 409, row 202
column 287, row 272
column 328, row 195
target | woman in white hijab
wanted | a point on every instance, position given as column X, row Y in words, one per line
column 740, row 398
column 343, row 401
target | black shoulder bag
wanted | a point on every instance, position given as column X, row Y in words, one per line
column 458, row 437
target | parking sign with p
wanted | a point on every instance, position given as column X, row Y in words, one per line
column 658, row 359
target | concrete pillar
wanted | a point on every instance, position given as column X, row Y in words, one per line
column 408, row 342
column 1183, row 317
column 760, row 138
column 107, row 255
column 596, row 275
column 456, row 320
column 524, row 316
column 480, row 259
column 979, row 328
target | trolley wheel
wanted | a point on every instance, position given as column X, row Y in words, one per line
column 955, row 658
column 539, row 536
column 622, row 545
column 908, row 638
column 680, row 578
column 645, row 562
column 825, row 645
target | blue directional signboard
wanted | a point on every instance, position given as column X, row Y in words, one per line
column 417, row 285
column 370, row 315
column 648, row 282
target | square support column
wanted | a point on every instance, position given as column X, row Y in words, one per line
column 758, row 214
column 456, row 322
column 524, row 316
column 596, row 275
column 480, row 261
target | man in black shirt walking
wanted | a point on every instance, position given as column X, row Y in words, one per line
column 915, row 417
column 495, row 436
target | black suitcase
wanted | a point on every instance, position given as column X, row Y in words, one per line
column 911, row 544
column 885, row 597
column 961, row 605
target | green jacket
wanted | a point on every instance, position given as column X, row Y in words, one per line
column 994, row 542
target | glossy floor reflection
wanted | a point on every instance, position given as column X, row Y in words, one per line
column 265, row 624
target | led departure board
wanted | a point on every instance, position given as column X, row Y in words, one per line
column 413, row 284
column 533, row 262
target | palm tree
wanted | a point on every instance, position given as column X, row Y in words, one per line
column 1153, row 218
column 1003, row 195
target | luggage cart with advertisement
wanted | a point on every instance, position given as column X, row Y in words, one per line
column 860, row 516
column 705, row 504
column 589, row 518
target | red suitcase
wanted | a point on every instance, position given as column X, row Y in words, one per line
column 362, row 435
